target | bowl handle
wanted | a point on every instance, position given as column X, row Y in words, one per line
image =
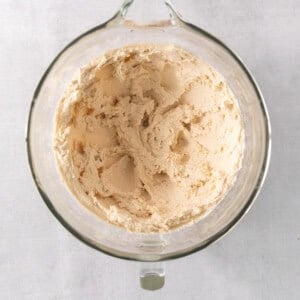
column 152, row 275
column 144, row 13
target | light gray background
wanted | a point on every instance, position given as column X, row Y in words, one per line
column 259, row 259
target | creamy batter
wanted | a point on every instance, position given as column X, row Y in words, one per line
column 149, row 137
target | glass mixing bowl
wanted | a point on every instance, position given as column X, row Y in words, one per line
column 87, row 227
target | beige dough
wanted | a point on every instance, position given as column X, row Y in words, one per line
column 149, row 137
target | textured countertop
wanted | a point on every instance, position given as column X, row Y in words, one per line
column 259, row 259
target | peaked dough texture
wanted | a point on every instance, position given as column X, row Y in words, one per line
column 149, row 137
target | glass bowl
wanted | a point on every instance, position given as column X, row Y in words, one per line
column 87, row 227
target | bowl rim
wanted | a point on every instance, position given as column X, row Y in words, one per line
column 162, row 257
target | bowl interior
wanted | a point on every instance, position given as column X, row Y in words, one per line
column 114, row 240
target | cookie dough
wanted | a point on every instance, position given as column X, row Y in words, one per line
column 149, row 137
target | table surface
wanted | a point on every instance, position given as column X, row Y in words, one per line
column 259, row 259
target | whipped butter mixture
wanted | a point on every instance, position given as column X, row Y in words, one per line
column 149, row 137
